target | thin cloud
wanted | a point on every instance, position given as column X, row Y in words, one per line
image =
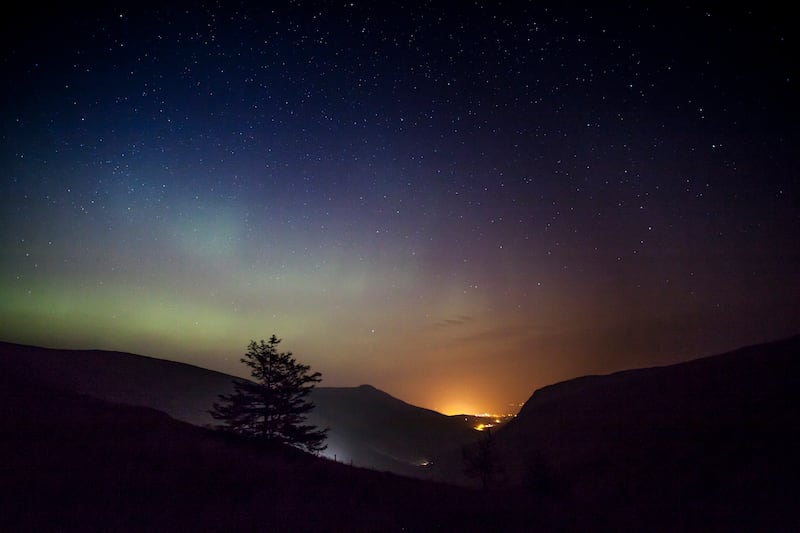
column 459, row 320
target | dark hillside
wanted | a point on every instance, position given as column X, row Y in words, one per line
column 374, row 427
column 76, row 463
column 368, row 427
column 710, row 443
column 183, row 391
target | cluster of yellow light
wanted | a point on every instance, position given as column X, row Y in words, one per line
column 497, row 417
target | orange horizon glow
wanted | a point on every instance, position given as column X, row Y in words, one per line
column 451, row 407
column 457, row 408
column 468, row 408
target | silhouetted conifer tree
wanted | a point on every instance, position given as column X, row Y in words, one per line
column 273, row 406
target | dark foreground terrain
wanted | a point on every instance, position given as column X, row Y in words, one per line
column 707, row 445
column 71, row 462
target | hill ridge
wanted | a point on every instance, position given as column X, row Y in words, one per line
column 545, row 393
column 369, row 427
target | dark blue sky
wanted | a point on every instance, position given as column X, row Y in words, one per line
column 455, row 205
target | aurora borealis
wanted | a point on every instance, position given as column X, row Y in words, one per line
column 457, row 206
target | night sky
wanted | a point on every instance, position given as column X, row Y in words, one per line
column 457, row 206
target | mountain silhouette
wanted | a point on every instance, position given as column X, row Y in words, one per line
column 72, row 462
column 372, row 428
column 368, row 427
column 706, row 444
